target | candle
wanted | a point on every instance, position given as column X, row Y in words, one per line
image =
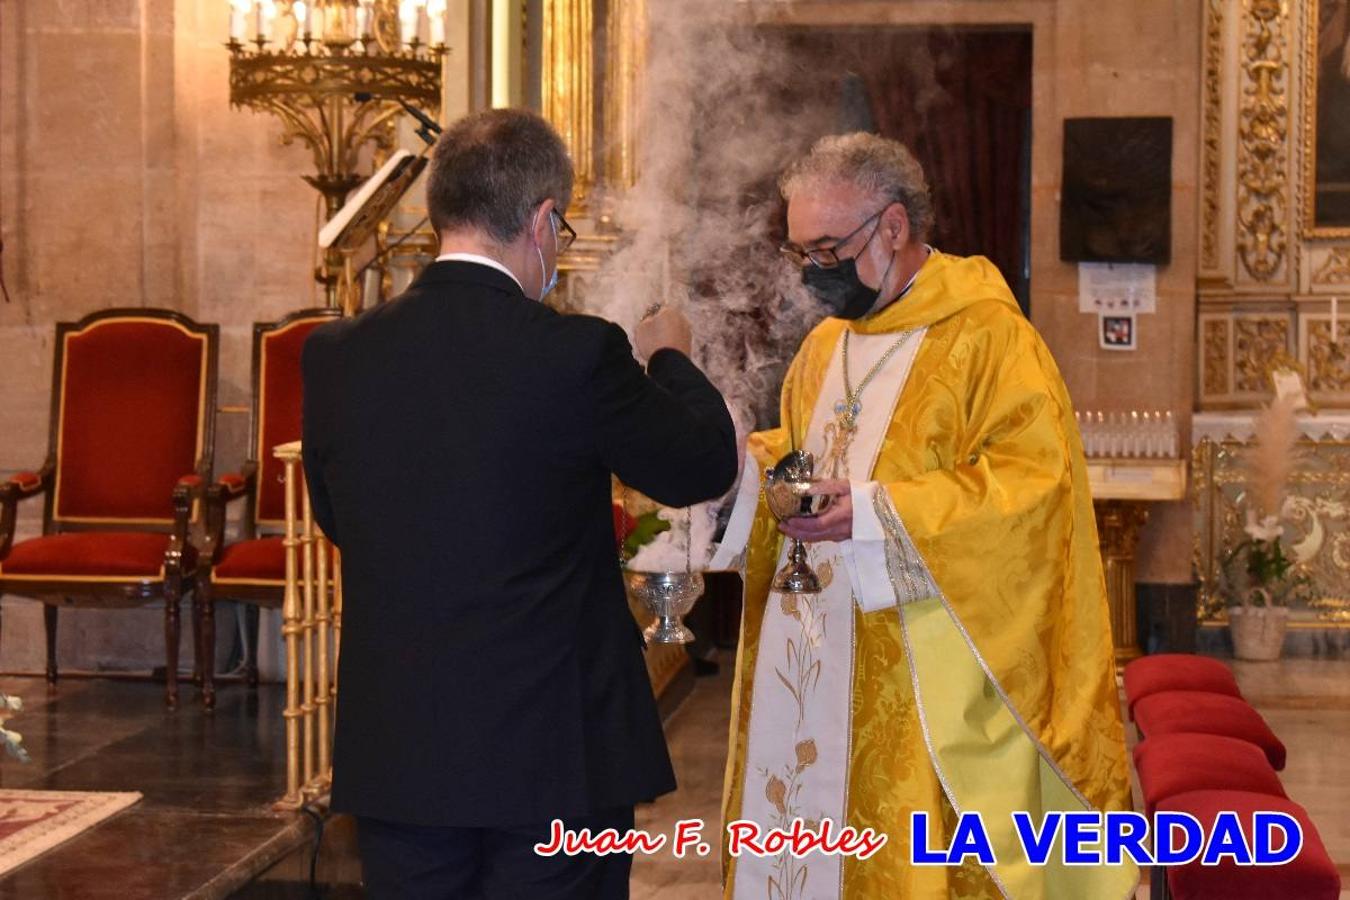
column 266, row 18
column 302, row 13
column 258, row 21
column 362, row 22
column 436, row 12
column 239, row 10
column 407, row 20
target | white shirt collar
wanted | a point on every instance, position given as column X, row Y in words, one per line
column 482, row 261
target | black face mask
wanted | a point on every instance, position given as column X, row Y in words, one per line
column 841, row 290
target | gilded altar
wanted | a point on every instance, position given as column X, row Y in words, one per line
column 1273, row 259
column 1316, row 510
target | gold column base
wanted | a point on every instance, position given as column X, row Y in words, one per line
column 1118, row 525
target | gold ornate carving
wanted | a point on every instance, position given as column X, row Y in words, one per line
column 313, row 91
column 1311, row 28
column 1212, row 150
column 568, row 83
column 1256, row 341
column 1216, row 364
column 1328, row 368
column 312, row 96
column 1335, row 269
column 1118, row 525
column 625, row 62
column 1316, row 514
column 1263, row 127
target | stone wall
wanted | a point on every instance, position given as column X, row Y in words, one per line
column 127, row 180
column 1135, row 58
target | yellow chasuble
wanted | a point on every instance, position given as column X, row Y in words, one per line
column 984, row 680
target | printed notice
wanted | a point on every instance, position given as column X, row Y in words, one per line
column 1117, row 288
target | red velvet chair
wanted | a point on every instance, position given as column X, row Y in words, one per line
column 132, row 426
column 1199, row 712
column 1173, row 764
column 1309, row 876
column 1177, row 672
column 253, row 569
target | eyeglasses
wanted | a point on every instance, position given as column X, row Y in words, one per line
column 827, row 257
column 567, row 235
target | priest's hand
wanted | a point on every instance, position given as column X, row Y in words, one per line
column 666, row 329
column 834, row 524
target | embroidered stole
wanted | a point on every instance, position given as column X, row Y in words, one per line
column 801, row 712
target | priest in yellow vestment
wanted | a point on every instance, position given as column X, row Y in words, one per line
column 959, row 656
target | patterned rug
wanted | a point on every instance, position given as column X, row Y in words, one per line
column 33, row 822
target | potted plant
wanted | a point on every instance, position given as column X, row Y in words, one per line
column 1261, row 583
column 1260, row 579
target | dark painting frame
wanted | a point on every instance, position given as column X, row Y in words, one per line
column 1116, row 200
column 1326, row 139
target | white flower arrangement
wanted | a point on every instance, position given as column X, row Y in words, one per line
column 12, row 740
column 692, row 529
column 1257, row 572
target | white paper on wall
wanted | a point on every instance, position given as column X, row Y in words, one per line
column 1117, row 288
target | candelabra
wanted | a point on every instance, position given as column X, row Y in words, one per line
column 307, row 63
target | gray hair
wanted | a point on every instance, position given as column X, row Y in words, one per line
column 880, row 166
column 491, row 168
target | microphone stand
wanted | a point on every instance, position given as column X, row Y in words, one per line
column 428, row 131
column 430, row 127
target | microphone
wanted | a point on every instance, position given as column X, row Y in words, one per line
column 429, row 128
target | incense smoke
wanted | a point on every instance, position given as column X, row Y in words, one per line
column 702, row 223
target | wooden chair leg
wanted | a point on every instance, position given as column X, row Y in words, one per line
column 172, row 634
column 253, row 624
column 49, row 614
column 204, row 606
column 196, row 640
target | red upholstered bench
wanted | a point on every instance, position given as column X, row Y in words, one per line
column 1196, row 712
column 1176, row 672
column 1172, row 764
column 1309, row 876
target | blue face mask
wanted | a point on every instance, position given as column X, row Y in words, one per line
column 552, row 282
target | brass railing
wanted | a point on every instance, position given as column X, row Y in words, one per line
column 311, row 628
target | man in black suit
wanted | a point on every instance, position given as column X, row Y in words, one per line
column 459, row 443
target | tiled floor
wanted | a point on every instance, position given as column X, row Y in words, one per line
column 208, row 782
column 697, row 735
column 1307, row 703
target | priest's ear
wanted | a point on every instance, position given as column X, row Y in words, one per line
column 895, row 226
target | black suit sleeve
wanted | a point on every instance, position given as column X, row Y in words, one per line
column 666, row 433
column 315, row 425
